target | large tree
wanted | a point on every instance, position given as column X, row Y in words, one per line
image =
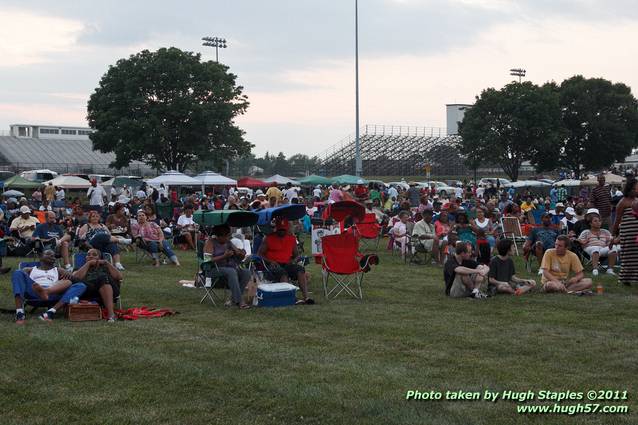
column 601, row 119
column 520, row 122
column 168, row 109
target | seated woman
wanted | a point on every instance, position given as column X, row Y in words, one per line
column 151, row 237
column 101, row 279
column 98, row 236
column 227, row 257
column 118, row 223
column 187, row 227
column 481, row 222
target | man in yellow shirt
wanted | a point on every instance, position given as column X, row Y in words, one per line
column 273, row 191
column 557, row 265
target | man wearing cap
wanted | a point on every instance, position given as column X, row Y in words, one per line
column 600, row 198
column 541, row 238
column 24, row 225
column 279, row 250
column 567, row 223
column 261, row 197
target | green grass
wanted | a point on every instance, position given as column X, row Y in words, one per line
column 343, row 362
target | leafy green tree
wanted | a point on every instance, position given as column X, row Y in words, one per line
column 520, row 122
column 601, row 119
column 168, row 109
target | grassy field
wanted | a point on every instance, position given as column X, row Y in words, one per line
column 343, row 362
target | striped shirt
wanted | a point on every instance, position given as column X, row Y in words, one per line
column 600, row 197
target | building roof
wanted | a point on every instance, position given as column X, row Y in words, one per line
column 53, row 153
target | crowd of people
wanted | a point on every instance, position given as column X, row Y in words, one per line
column 462, row 231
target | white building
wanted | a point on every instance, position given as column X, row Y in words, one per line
column 36, row 131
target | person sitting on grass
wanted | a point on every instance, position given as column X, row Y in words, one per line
column 557, row 265
column 502, row 275
column 150, row 236
column 540, row 239
column 44, row 282
column 101, row 279
column 597, row 243
column 221, row 251
column 279, row 250
column 463, row 276
column 51, row 235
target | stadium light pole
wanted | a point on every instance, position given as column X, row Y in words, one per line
column 357, row 143
column 518, row 72
column 217, row 43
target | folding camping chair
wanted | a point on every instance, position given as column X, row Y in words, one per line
column 35, row 303
column 341, row 262
column 211, row 277
column 512, row 229
column 368, row 231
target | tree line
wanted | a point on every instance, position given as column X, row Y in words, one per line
column 583, row 124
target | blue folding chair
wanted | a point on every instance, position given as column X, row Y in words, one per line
column 35, row 303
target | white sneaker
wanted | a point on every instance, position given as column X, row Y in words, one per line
column 125, row 241
column 68, row 268
column 610, row 272
column 595, row 272
column 540, row 272
column 119, row 266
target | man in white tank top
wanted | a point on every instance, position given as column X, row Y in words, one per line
column 45, row 282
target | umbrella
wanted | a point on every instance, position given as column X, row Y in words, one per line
column 70, row 182
column 173, row 178
column 251, row 182
column 291, row 212
column 281, row 180
column 133, row 184
column 13, row 194
column 17, row 182
column 609, row 179
column 233, row 218
column 349, row 179
column 314, row 179
column 341, row 210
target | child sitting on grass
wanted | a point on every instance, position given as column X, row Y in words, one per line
column 502, row 276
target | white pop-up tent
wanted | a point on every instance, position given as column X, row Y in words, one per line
column 70, row 182
column 281, row 180
column 210, row 178
column 173, row 178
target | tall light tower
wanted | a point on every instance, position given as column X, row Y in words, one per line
column 215, row 42
column 518, row 72
column 357, row 144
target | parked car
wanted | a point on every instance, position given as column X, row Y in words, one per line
column 442, row 189
column 39, row 175
column 492, row 180
column 400, row 184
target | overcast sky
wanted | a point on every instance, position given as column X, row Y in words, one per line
column 295, row 58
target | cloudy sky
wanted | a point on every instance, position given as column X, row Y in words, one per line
column 295, row 58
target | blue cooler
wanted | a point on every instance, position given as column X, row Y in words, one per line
column 276, row 294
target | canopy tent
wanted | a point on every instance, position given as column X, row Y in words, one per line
column 251, row 182
column 567, row 183
column 173, row 178
column 609, row 179
column 313, row 180
column 348, row 179
column 17, row 182
column 210, row 178
column 291, row 212
column 121, row 181
column 233, row 218
column 280, row 180
column 70, row 182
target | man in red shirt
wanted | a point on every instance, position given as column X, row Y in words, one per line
column 279, row 250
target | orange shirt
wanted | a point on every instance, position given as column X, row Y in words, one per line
column 279, row 249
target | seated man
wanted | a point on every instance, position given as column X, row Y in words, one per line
column 50, row 235
column 102, row 280
column 425, row 238
column 279, row 250
column 221, row 251
column 44, row 282
column 23, row 226
column 596, row 243
column 463, row 276
column 557, row 264
column 540, row 239
column 502, row 275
